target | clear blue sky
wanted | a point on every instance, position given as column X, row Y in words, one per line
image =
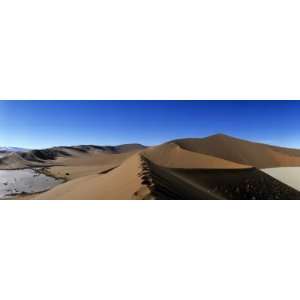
column 40, row 124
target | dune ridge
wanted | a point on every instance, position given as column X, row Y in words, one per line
column 173, row 155
column 214, row 167
column 123, row 182
column 241, row 151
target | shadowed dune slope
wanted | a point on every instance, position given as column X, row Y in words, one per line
column 242, row 152
column 55, row 152
column 250, row 183
column 173, row 156
column 15, row 161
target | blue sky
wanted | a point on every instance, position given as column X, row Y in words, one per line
column 41, row 124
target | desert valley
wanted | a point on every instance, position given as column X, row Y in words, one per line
column 213, row 167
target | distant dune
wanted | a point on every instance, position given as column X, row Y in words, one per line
column 11, row 161
column 242, row 152
column 215, row 167
column 53, row 156
column 173, row 155
column 12, row 149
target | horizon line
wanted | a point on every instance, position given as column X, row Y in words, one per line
column 152, row 145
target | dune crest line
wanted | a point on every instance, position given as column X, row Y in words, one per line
column 213, row 167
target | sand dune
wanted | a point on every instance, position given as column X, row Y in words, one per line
column 82, row 167
column 215, row 167
column 173, row 156
column 123, row 182
column 87, row 164
column 59, row 156
column 242, row 152
column 12, row 161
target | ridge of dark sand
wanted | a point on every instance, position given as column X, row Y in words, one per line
column 244, row 184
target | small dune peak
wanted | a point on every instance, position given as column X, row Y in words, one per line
column 220, row 136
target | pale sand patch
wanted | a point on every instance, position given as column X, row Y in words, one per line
column 287, row 175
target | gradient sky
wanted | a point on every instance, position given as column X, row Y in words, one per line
column 41, row 124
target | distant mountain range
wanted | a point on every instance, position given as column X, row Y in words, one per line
column 52, row 153
column 18, row 158
column 12, row 149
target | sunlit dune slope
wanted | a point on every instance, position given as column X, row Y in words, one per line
column 242, row 151
column 123, row 182
column 87, row 164
column 173, row 156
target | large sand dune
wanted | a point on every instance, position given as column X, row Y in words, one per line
column 123, row 182
column 174, row 156
column 242, row 152
column 216, row 167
